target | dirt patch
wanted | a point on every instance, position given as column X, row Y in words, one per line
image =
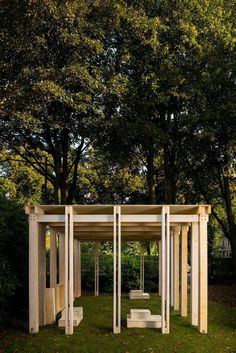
column 223, row 294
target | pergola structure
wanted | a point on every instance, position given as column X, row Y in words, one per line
column 170, row 225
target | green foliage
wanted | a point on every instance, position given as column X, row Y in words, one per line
column 13, row 256
column 130, row 265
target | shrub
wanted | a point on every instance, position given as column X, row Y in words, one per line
column 13, row 256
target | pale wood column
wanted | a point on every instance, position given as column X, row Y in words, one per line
column 160, row 270
column 69, row 273
column 33, row 274
column 42, row 275
column 53, row 258
column 53, row 265
column 117, row 270
column 96, row 279
column 194, row 274
column 176, row 268
column 165, row 266
column 61, row 258
column 184, row 271
column 203, row 274
column 172, row 268
column 77, row 269
column 142, row 266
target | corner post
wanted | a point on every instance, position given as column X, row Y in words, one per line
column 184, row 271
column 203, row 274
column 194, row 274
column 69, row 275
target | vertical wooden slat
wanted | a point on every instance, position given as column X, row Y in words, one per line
column 119, row 269
column 172, row 269
column 66, row 300
column 167, row 330
column 61, row 258
column 71, row 272
column 33, row 275
column 114, row 270
column 194, row 274
column 184, row 271
column 160, row 269
column 77, row 269
column 142, row 266
column 42, row 274
column 163, row 274
column 176, row 268
column 203, row 271
column 96, row 267
column 53, row 262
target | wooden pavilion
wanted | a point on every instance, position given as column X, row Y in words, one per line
column 169, row 225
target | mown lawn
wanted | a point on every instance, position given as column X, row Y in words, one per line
column 94, row 334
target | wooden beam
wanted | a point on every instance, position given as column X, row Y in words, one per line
column 42, row 275
column 69, row 275
column 167, row 210
column 160, row 270
column 77, row 269
column 142, row 266
column 184, row 271
column 194, row 274
column 53, row 258
column 96, row 279
column 176, row 268
column 71, row 270
column 33, row 275
column 172, row 268
column 203, row 271
column 61, row 258
column 93, row 218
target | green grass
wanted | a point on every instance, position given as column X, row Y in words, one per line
column 94, row 334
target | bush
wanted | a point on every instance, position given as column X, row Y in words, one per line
column 13, row 257
column 130, row 267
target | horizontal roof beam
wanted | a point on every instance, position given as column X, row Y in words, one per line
column 124, row 218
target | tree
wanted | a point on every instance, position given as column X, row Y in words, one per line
column 51, row 82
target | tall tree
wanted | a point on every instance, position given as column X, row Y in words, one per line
column 51, row 83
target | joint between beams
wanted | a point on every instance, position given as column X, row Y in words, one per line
column 203, row 218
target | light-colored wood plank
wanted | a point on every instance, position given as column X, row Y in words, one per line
column 160, row 270
column 203, row 275
column 66, row 285
column 114, row 270
column 50, row 305
column 53, row 261
column 167, row 329
column 71, row 271
column 172, row 268
column 93, row 218
column 96, row 275
column 184, row 271
column 77, row 269
column 163, row 274
column 119, row 269
column 42, row 274
column 33, row 275
column 142, row 266
column 61, row 258
column 194, row 302
column 176, row 268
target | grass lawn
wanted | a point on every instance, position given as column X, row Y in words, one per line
column 94, row 334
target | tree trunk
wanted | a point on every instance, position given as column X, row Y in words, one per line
column 150, row 177
column 170, row 175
